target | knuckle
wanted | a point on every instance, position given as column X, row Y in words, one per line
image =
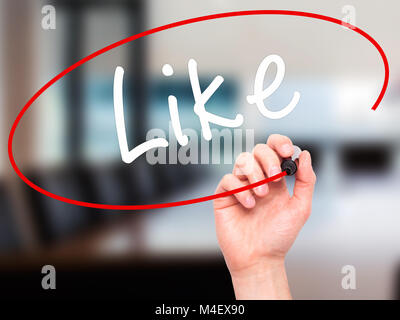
column 278, row 139
column 243, row 158
column 259, row 148
column 244, row 164
column 273, row 137
column 225, row 181
column 227, row 177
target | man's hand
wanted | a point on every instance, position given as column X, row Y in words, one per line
column 256, row 228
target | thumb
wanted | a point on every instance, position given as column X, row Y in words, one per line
column 304, row 185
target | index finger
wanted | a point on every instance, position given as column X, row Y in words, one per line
column 282, row 145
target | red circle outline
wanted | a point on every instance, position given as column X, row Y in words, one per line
column 155, row 30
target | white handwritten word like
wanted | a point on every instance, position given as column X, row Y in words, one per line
column 200, row 100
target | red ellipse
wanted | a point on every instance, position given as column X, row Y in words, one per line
column 155, row 30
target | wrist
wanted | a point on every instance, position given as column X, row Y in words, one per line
column 264, row 280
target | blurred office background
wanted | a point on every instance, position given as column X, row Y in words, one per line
column 67, row 144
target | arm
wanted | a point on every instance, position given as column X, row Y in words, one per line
column 266, row 281
column 256, row 228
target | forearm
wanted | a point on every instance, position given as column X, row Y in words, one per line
column 266, row 281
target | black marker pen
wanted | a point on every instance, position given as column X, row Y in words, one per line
column 289, row 164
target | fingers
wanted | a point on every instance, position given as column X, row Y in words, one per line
column 230, row 182
column 247, row 168
column 265, row 161
column 305, row 181
column 268, row 160
column 282, row 145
